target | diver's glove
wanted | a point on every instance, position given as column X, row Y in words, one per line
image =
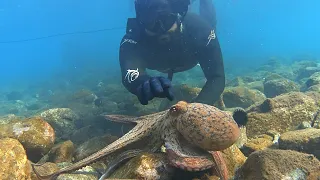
column 154, row 87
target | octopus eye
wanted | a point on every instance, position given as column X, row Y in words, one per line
column 179, row 108
column 174, row 110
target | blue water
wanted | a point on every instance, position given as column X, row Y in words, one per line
column 250, row 32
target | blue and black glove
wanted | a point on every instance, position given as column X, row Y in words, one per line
column 154, row 87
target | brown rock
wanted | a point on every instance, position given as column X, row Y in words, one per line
column 277, row 164
column 35, row 134
column 282, row 113
column 62, row 152
column 14, row 162
column 77, row 177
column 241, row 97
column 259, row 143
column 44, row 169
column 93, row 145
column 243, row 137
column 8, row 118
column 62, row 120
column 85, row 173
column 145, row 166
column 234, row 159
column 305, row 140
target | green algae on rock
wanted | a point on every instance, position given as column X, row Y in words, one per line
column 233, row 158
column 35, row 134
column 256, row 144
column 313, row 80
column 93, row 145
column 277, row 164
column 145, row 166
column 14, row 162
column 8, row 118
column 45, row 168
column 273, row 88
column 305, row 140
column 62, row 152
column 61, row 119
column 281, row 113
column 241, row 96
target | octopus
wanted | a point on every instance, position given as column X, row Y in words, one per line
column 192, row 133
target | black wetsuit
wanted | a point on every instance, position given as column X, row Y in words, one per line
column 196, row 43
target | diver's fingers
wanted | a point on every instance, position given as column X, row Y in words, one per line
column 169, row 94
column 143, row 100
column 156, row 87
column 166, row 83
column 147, row 91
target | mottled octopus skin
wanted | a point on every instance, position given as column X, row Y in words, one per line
column 207, row 127
column 203, row 126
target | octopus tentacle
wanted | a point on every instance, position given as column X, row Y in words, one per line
column 134, row 135
column 185, row 156
column 131, row 119
column 123, row 157
column 220, row 167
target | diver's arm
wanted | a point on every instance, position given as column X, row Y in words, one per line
column 208, row 12
column 132, row 68
column 211, row 63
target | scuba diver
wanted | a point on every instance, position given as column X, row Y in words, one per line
column 165, row 37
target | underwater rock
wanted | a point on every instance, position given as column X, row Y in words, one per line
column 44, row 169
column 108, row 106
column 304, row 125
column 86, row 173
column 233, row 158
column 282, row 113
column 272, row 76
column 313, row 80
column 62, row 152
column 182, row 92
column 93, row 145
column 145, row 166
column 272, row 64
column 241, row 97
column 113, row 92
column 238, row 81
column 9, row 117
column 305, row 140
column 84, row 134
column 14, row 95
column 315, row 88
column 304, row 69
column 258, row 143
column 83, row 96
column 62, row 120
column 15, row 107
column 14, row 162
column 273, row 88
column 277, row 164
column 35, row 134
column 307, row 72
column 85, row 176
column 258, row 85
column 34, row 106
column 152, row 107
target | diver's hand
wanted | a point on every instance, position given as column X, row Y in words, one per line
column 154, row 87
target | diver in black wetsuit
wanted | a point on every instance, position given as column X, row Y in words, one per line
column 165, row 37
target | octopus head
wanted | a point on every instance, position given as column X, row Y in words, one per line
column 205, row 126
